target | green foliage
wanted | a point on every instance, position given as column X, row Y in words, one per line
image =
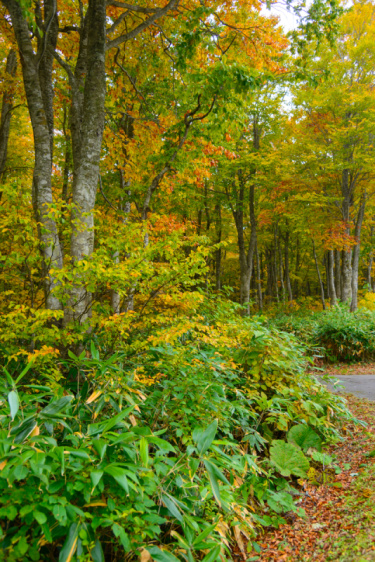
column 337, row 333
column 288, row 460
column 305, row 437
column 162, row 448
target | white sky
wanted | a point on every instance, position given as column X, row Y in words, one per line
column 288, row 19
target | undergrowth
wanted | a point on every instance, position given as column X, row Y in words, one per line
column 172, row 442
column 336, row 334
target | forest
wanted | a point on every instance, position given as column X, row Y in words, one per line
column 187, row 228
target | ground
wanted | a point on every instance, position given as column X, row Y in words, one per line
column 340, row 515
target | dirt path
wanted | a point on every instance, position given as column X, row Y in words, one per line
column 340, row 516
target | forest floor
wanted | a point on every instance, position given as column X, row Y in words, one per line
column 340, row 515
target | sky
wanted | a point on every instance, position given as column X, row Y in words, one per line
column 288, row 19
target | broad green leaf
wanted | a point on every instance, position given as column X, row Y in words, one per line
column 215, row 470
column 96, row 476
column 97, row 553
column 305, row 437
column 323, row 458
column 143, row 448
column 288, row 460
column 161, row 555
column 162, row 443
column 70, row 544
column 57, row 406
column 204, row 534
column 40, row 517
column 119, row 532
column 94, row 351
column 214, row 482
column 119, row 475
column 172, row 507
column 213, row 554
column 59, row 513
column 23, row 430
column 14, row 403
column 23, row 373
column 204, row 437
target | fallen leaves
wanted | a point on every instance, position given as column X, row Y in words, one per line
column 336, row 512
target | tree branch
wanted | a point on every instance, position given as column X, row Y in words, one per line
column 172, row 4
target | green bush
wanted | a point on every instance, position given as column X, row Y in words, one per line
column 337, row 334
column 167, row 449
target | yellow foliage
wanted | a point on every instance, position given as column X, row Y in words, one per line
column 368, row 301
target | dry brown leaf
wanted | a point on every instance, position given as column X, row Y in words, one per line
column 145, row 556
column 133, row 421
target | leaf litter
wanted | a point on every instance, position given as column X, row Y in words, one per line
column 340, row 514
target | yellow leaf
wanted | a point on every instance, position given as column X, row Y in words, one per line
column 94, row 504
column 35, row 431
column 94, row 396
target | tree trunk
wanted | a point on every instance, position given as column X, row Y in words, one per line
column 346, row 276
column 275, row 263
column 346, row 271
column 218, row 251
column 297, row 268
column 37, row 70
column 6, row 111
column 319, row 277
column 370, row 263
column 281, row 271
column 356, row 252
column 337, row 258
column 287, row 275
column 331, row 278
column 87, row 155
column 259, row 280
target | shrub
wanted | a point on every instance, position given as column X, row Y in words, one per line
column 164, row 451
column 337, row 333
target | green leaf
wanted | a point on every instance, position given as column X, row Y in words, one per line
column 120, row 533
column 96, row 476
column 40, row 517
column 56, row 406
column 100, row 447
column 59, row 513
column 214, row 482
column 204, row 534
column 23, row 430
column 23, row 373
column 287, row 459
column 70, row 544
column 305, row 437
column 143, row 449
column 94, row 351
column 14, row 403
column 119, row 475
column 213, row 554
column 215, row 470
column 162, row 443
column 8, row 511
column 204, row 437
column 97, row 553
column 172, row 507
column 161, row 555
column 323, row 458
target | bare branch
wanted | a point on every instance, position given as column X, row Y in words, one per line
column 117, row 22
column 131, row 7
column 172, row 4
